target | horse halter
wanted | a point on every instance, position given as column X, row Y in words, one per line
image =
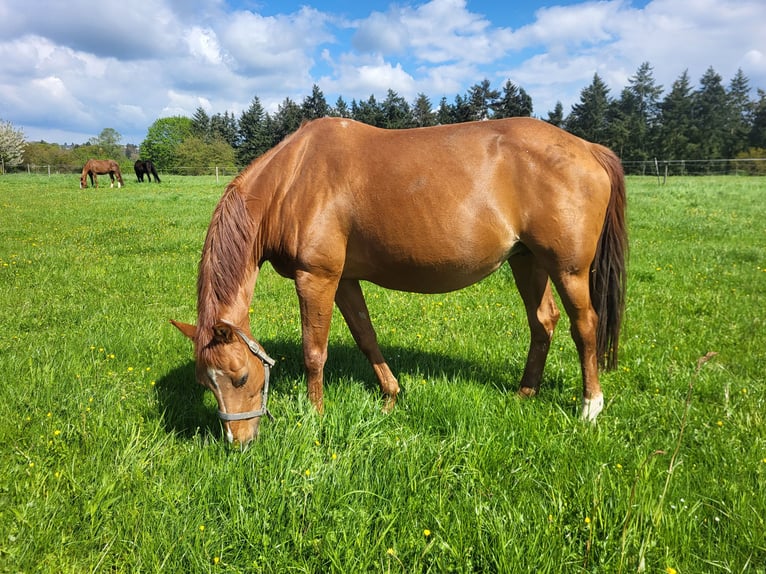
column 268, row 362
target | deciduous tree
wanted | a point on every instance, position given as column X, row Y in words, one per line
column 12, row 145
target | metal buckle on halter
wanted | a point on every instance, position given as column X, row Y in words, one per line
column 268, row 362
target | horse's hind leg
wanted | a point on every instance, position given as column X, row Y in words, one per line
column 542, row 316
column 350, row 301
column 574, row 289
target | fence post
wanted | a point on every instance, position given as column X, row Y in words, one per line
column 216, row 175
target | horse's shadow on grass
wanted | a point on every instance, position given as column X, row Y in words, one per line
column 186, row 413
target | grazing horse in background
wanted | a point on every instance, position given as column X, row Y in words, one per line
column 96, row 167
column 146, row 167
column 424, row 210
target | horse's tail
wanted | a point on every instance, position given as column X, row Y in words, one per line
column 608, row 278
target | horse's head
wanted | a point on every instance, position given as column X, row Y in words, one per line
column 236, row 369
column 83, row 181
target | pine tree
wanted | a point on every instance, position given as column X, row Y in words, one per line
column 481, row 99
column 445, row 114
column 676, row 120
column 315, row 106
column 710, row 110
column 422, row 113
column 634, row 119
column 740, row 117
column 368, row 112
column 224, row 127
column 396, row 112
column 287, row 119
column 757, row 136
column 254, row 133
column 341, row 109
column 556, row 117
column 589, row 118
column 514, row 102
column 201, row 124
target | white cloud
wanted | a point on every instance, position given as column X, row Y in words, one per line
column 203, row 44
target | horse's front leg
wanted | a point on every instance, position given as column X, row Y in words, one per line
column 315, row 296
column 350, row 301
column 111, row 176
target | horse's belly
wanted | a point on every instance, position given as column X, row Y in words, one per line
column 432, row 269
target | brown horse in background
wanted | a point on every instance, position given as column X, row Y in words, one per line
column 423, row 210
column 96, row 167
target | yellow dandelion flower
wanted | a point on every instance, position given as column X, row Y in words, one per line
column 334, row 456
column 719, row 423
column 426, row 533
column 216, row 560
column 587, row 520
column 202, row 528
column 670, row 570
column 57, row 432
column 391, row 552
column 308, row 472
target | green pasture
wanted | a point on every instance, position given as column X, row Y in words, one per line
column 113, row 460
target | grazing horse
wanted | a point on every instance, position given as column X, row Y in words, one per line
column 424, row 210
column 146, row 167
column 96, row 167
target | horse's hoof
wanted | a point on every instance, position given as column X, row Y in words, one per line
column 389, row 402
column 526, row 392
column 591, row 408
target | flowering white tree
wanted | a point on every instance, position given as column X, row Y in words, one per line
column 12, row 145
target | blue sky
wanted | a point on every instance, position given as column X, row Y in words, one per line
column 70, row 69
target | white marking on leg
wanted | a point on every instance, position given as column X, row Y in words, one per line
column 592, row 407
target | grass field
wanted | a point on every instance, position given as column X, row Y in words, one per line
column 113, row 461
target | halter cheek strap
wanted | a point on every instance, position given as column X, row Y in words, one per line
column 268, row 362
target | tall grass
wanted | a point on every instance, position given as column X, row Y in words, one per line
column 113, row 461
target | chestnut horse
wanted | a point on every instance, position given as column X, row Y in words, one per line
column 96, row 167
column 423, row 210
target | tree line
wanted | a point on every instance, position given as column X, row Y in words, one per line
column 708, row 122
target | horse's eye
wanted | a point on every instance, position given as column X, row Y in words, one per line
column 240, row 382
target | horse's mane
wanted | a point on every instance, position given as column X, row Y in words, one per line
column 227, row 257
column 230, row 253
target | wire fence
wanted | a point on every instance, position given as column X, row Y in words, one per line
column 667, row 168
column 661, row 169
column 69, row 169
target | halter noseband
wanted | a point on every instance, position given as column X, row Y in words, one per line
column 268, row 362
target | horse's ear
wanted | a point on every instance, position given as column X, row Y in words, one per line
column 223, row 333
column 188, row 330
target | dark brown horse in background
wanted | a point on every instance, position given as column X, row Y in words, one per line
column 96, row 167
column 424, row 210
column 146, row 168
